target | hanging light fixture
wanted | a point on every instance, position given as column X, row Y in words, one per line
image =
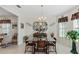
column 40, row 24
column 42, row 18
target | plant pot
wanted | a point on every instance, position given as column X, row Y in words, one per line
column 74, row 51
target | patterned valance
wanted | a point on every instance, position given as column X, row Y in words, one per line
column 75, row 16
column 63, row 19
column 5, row 21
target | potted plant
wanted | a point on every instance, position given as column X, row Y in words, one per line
column 73, row 35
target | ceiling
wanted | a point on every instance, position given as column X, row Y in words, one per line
column 37, row 10
column 3, row 12
column 45, row 10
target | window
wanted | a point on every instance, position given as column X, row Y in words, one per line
column 62, row 29
column 63, row 26
column 76, row 25
column 5, row 28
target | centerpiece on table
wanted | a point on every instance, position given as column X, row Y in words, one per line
column 39, row 35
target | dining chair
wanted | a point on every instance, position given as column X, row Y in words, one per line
column 53, row 44
column 41, row 46
column 1, row 41
column 28, row 45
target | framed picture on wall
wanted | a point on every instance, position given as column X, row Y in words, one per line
column 22, row 25
column 14, row 26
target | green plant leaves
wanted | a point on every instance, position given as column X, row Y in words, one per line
column 74, row 35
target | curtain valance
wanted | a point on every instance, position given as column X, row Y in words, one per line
column 75, row 16
column 63, row 19
column 5, row 21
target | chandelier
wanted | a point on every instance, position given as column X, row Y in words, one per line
column 42, row 18
column 41, row 24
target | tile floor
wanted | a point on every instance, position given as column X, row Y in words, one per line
column 13, row 49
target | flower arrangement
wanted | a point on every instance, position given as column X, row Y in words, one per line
column 39, row 35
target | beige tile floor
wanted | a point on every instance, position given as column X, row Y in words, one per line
column 12, row 50
column 15, row 49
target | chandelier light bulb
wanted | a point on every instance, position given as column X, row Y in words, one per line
column 39, row 18
column 42, row 18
